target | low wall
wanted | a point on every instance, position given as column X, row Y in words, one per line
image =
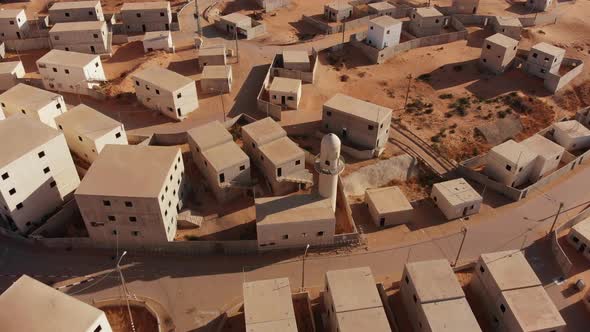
column 120, row 39
column 256, row 31
column 563, row 261
column 270, row 5
column 466, row 171
column 555, row 82
column 56, row 224
column 27, row 44
column 353, row 237
column 474, row 20
column 274, row 111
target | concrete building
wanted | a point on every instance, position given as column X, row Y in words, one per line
column 543, row 59
column 221, row 161
column 388, row 206
column 337, row 11
column 572, row 135
column 510, row 163
column 37, row 103
column 163, row 90
column 84, row 37
column 75, row 11
column 579, row 237
column 426, row 21
column 498, row 53
column 268, row 306
column 270, row 5
column 539, row 5
column 384, row 31
column 329, row 165
column 548, row 155
column 87, row 131
column 464, row 6
column 72, row 72
column 238, row 24
column 217, row 79
column 258, row 133
column 212, row 56
column 382, row 8
column 132, row 194
column 37, row 174
column 296, row 60
column 358, row 123
column 285, row 92
column 434, row 299
column 10, row 74
column 53, row 310
column 583, row 116
column 141, row 17
column 514, row 295
column 13, row 24
column 158, row 40
column 508, row 26
column 353, row 303
column 456, row 198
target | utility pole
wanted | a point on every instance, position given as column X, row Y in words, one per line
column 198, row 18
column 343, row 29
column 464, row 231
column 556, row 217
column 237, row 48
column 303, row 269
column 409, row 77
column 125, row 290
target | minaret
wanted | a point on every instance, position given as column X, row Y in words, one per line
column 329, row 165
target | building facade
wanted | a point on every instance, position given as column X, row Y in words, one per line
column 539, row 5
column 158, row 40
column 212, row 56
column 11, row 73
column 548, row 155
column 13, row 24
column 75, row 11
column 384, row 31
column 39, row 104
column 579, row 237
column 85, row 37
column 498, row 53
column 465, row 6
column 426, row 21
column 543, row 59
column 572, row 135
column 217, row 79
column 285, row 92
column 141, row 17
column 337, row 11
column 510, row 163
column 388, row 206
column 268, row 306
column 456, row 198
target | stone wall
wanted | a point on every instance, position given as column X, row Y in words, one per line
column 555, row 82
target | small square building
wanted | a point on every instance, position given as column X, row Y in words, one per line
column 544, row 58
column 296, row 60
column 11, row 73
column 240, row 25
column 579, row 237
column 384, row 31
column 426, row 21
column 85, row 37
column 258, row 133
column 464, row 6
column 13, row 24
column 548, row 155
column 283, row 165
column 508, row 26
column 75, row 11
column 158, row 40
column 498, row 53
column 285, row 92
column 39, row 104
column 510, row 163
column 141, row 17
column 572, row 135
column 456, row 198
column 268, row 306
column 382, row 8
column 212, row 56
column 388, row 206
column 216, row 79
column 337, row 11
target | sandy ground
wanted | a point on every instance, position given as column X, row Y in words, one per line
column 118, row 318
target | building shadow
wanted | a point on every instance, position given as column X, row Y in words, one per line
column 187, row 67
column 477, row 37
column 245, row 99
column 305, row 31
column 453, row 74
column 513, row 80
column 127, row 52
column 519, row 8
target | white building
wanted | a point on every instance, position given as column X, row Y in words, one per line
column 268, row 306
column 498, row 52
column 13, row 24
column 510, row 163
column 216, row 79
column 141, row 17
column 388, row 206
column 548, row 155
column 384, row 31
column 544, row 58
column 37, row 103
column 572, row 135
column 72, row 72
column 337, row 11
column 75, row 11
column 174, row 95
column 87, row 131
column 296, row 60
column 285, row 92
column 85, row 37
column 579, row 237
column 10, row 74
column 158, row 40
column 382, row 8
column 540, row 5
column 508, row 25
column 131, row 195
column 53, row 310
column 37, row 174
column 212, row 56
column 456, row 198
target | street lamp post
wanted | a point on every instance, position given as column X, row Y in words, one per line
column 303, row 269
column 125, row 289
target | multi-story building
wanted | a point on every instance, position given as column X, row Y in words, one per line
column 84, row 37
column 75, row 11
column 285, row 92
column 426, row 21
column 10, row 74
column 87, row 131
column 268, row 306
column 384, row 31
column 456, row 198
column 337, row 11
column 13, row 24
column 572, row 135
column 388, row 206
column 172, row 94
column 141, row 17
column 548, row 155
column 71, row 72
column 543, row 59
column 214, row 55
column 37, row 103
column 510, row 163
column 131, row 195
column 508, row 26
column 498, row 52
column 37, row 173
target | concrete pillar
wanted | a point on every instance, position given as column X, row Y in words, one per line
column 329, row 166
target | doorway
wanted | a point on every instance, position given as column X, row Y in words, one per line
column 143, row 28
column 382, row 222
column 344, row 132
column 465, row 211
column 283, row 101
column 18, row 35
column 92, row 49
column 582, row 247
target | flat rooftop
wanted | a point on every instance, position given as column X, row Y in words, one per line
column 216, row 72
column 237, row 18
column 383, row 5
column 295, row 57
column 573, row 128
column 542, row 146
column 281, row 150
column 450, row 316
column 264, row 131
column 515, row 153
column 389, row 200
column 87, row 121
column 164, row 78
column 428, row 12
column 268, row 306
column 293, row 209
column 10, row 13
column 353, row 289
column 217, row 50
column 209, row 135
column 145, row 5
column 510, row 270
column 434, row 281
column 285, row 85
column 371, row 319
column 27, row 97
column 53, row 310
column 358, row 108
column 583, row 228
column 67, row 58
column 385, row 21
column 339, row 5
column 548, row 49
column 509, row 21
column 533, row 309
column 457, row 191
column 9, row 67
column 21, row 134
column 155, row 35
column 129, row 171
column 502, row 40
column 74, row 5
column 77, row 26
column 225, row 155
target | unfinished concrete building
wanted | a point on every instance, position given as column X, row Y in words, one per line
column 388, row 206
column 515, row 298
column 359, row 124
column 426, row 21
column 268, row 306
column 54, row 310
column 37, row 103
column 87, row 131
column 508, row 26
column 141, row 17
column 212, row 56
column 216, row 79
column 381, row 8
column 163, row 90
column 75, row 11
column 456, row 198
column 572, row 135
column 11, row 73
column 296, row 60
column 543, row 59
column 220, row 160
column 384, row 31
column 238, row 24
column 37, row 174
column 285, row 92
column 538, row 5
column 353, row 303
column 158, row 40
column 123, row 204
column 337, row 11
column 464, row 6
column 579, row 237
column 13, row 24
column 434, row 299
column 548, row 155
column 510, row 163
column 84, row 37
column 72, row 72
column 498, row 53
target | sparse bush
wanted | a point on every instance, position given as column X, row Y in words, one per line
column 446, row 96
column 344, row 78
column 502, row 114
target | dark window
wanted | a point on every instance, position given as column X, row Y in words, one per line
column 320, row 233
column 96, row 64
column 407, row 280
column 66, row 71
column 297, row 162
column 112, row 218
column 46, row 170
column 41, row 154
column 117, row 135
column 279, row 171
column 503, row 308
column 133, row 219
column 52, row 184
column 5, row 176
column 12, row 191
column 11, row 22
column 19, row 206
column 95, row 35
column 60, row 127
column 128, row 204
column 161, row 13
column 137, row 83
column 80, row 139
column 508, row 167
column 67, row 14
column 327, row 162
column 55, row 70
column 371, row 127
column 135, row 233
column 328, row 113
column 138, row 14
column 106, row 203
column 488, row 46
column 58, row 106
column 179, row 95
column 481, row 269
column 114, row 232
column 576, row 240
column 222, row 178
column 157, row 91
column 91, row 14
column 415, row 298
column 285, row 237
column 243, row 167
column 535, row 55
column 98, row 329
